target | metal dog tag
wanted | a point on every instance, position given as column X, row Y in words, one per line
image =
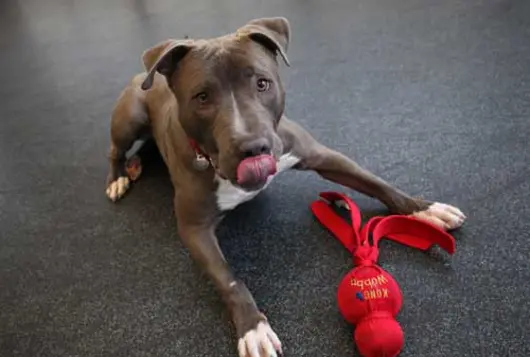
column 200, row 163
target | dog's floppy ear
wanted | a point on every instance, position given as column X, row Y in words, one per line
column 273, row 33
column 163, row 58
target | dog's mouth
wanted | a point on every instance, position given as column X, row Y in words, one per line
column 251, row 173
column 254, row 172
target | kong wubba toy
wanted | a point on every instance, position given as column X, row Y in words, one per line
column 368, row 296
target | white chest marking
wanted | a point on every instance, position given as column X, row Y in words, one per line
column 230, row 196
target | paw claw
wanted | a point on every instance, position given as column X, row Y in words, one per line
column 260, row 342
column 442, row 215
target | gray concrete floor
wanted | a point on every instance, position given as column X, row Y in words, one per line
column 431, row 95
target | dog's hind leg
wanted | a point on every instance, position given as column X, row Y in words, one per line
column 129, row 123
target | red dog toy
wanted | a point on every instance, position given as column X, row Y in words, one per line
column 369, row 297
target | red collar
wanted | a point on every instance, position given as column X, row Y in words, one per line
column 201, row 155
column 195, row 146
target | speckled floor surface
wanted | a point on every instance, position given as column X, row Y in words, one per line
column 433, row 96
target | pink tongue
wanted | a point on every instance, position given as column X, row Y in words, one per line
column 255, row 169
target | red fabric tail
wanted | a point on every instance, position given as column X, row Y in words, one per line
column 413, row 233
column 405, row 230
column 335, row 224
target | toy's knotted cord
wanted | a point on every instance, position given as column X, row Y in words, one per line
column 365, row 255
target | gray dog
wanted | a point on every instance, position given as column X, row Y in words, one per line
column 215, row 109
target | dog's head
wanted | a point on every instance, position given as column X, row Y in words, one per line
column 229, row 94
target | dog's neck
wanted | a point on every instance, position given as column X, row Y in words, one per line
column 228, row 195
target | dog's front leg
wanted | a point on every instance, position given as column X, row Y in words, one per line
column 336, row 167
column 255, row 335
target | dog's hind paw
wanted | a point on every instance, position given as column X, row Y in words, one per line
column 260, row 342
column 116, row 189
column 442, row 215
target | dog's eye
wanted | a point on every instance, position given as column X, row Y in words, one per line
column 263, row 84
column 202, row 97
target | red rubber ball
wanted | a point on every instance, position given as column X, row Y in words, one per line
column 379, row 335
column 370, row 298
column 366, row 289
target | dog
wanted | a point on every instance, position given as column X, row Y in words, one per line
column 215, row 109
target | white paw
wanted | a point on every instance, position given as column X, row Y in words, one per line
column 442, row 215
column 260, row 342
column 117, row 188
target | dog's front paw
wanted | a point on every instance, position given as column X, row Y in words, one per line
column 117, row 188
column 442, row 215
column 260, row 342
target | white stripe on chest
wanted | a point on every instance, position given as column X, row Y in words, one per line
column 230, row 196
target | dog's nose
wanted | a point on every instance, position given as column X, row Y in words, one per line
column 255, row 147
